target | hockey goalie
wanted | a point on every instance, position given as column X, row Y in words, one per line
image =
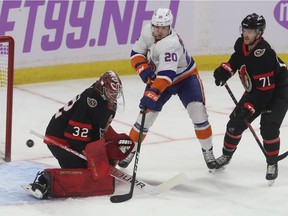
column 83, row 125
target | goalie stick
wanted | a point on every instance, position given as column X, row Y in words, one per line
column 125, row 177
column 270, row 159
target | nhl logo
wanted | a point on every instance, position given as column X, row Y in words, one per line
column 91, row 102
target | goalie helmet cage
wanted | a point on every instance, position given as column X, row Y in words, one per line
column 6, row 95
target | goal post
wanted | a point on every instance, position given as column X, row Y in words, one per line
column 6, row 95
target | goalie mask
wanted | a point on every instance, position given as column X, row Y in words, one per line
column 110, row 88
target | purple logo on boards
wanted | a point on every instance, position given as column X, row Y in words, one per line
column 281, row 13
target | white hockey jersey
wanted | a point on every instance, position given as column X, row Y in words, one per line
column 165, row 55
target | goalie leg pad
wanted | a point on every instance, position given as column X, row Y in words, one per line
column 78, row 183
column 97, row 159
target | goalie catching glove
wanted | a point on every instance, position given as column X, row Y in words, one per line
column 119, row 149
column 118, row 146
column 223, row 73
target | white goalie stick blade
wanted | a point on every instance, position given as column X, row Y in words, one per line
column 147, row 188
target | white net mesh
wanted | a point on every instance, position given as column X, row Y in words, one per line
column 4, row 54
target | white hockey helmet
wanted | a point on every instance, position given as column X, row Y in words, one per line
column 162, row 17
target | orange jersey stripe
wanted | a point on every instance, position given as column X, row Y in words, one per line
column 136, row 59
column 202, row 89
column 134, row 135
column 194, row 71
column 160, row 84
column 204, row 134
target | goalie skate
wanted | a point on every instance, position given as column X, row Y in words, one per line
column 39, row 187
column 125, row 163
column 37, row 190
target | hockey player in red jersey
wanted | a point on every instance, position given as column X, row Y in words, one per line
column 265, row 80
column 83, row 125
column 165, row 66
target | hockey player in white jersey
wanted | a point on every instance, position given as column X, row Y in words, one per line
column 164, row 65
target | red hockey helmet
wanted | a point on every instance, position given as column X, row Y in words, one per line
column 109, row 86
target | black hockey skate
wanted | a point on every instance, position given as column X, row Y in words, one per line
column 209, row 158
column 271, row 173
column 222, row 162
column 125, row 162
column 37, row 190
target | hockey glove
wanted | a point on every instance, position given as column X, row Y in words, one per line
column 244, row 111
column 120, row 148
column 146, row 73
column 149, row 99
column 222, row 74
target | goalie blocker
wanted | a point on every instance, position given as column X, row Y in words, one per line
column 93, row 181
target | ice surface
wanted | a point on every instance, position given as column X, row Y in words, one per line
column 170, row 148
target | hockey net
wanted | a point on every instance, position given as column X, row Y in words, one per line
column 6, row 95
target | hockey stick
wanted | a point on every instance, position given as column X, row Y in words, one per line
column 125, row 197
column 270, row 159
column 122, row 176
